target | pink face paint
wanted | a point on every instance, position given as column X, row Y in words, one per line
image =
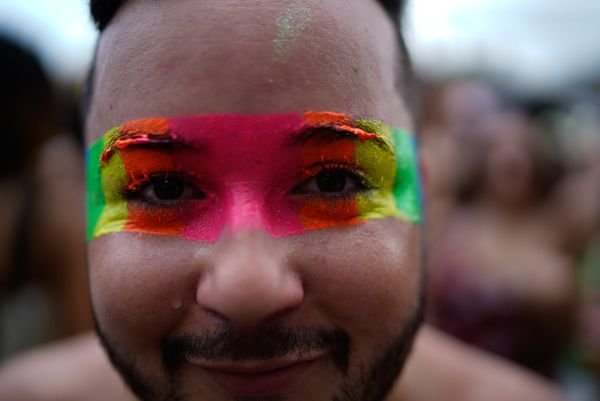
column 194, row 177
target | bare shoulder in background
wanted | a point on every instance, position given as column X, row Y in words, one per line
column 76, row 369
column 442, row 368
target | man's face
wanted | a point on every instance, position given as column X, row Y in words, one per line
column 248, row 306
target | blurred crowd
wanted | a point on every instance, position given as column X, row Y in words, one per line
column 43, row 287
column 513, row 219
column 513, row 207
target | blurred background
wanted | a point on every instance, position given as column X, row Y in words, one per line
column 510, row 132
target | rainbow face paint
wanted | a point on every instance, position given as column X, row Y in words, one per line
column 193, row 177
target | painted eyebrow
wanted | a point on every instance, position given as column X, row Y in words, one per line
column 333, row 133
column 146, row 139
column 168, row 140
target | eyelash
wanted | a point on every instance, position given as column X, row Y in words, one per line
column 134, row 190
column 351, row 170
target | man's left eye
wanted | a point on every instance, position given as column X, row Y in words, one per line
column 332, row 181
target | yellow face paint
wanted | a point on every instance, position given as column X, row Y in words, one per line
column 193, row 177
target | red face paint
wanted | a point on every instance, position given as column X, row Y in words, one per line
column 195, row 177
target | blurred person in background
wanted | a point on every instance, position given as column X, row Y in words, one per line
column 503, row 262
column 43, row 292
column 577, row 197
column 453, row 114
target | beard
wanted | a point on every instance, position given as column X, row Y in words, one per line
column 372, row 380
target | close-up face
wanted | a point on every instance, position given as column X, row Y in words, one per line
column 253, row 200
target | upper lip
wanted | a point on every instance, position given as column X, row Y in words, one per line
column 250, row 367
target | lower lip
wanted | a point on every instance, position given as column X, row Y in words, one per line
column 265, row 383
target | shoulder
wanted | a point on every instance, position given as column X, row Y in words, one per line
column 74, row 369
column 443, row 368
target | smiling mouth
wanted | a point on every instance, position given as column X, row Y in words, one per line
column 262, row 377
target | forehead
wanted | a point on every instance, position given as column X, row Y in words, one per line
column 246, row 57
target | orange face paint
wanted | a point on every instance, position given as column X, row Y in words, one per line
column 194, row 177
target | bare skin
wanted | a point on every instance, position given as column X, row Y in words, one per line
column 444, row 368
column 439, row 368
column 70, row 370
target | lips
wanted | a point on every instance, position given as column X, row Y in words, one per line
column 263, row 377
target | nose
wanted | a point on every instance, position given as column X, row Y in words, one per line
column 249, row 280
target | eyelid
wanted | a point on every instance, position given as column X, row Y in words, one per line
column 136, row 186
column 313, row 169
column 309, row 173
column 354, row 168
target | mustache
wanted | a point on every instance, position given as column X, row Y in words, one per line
column 230, row 344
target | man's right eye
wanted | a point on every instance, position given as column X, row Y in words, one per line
column 167, row 189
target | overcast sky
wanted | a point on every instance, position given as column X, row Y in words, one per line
column 532, row 43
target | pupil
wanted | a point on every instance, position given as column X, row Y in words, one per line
column 331, row 181
column 166, row 189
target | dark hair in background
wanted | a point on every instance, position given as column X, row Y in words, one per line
column 28, row 115
column 26, row 107
column 103, row 11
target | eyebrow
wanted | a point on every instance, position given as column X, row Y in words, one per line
column 332, row 133
column 324, row 132
column 145, row 139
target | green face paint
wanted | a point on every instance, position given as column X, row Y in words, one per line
column 193, row 177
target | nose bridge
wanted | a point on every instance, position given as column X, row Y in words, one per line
column 246, row 208
column 250, row 279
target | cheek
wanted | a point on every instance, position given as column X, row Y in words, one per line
column 141, row 285
column 365, row 280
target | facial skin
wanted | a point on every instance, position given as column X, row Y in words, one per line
column 329, row 313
